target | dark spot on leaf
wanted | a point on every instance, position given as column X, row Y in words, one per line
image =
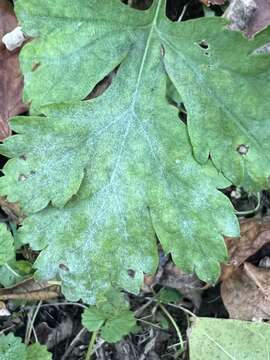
column 242, row 149
column 23, row 157
column 63, row 267
column 22, row 177
column 131, row 273
column 204, row 44
column 35, row 66
column 32, row 172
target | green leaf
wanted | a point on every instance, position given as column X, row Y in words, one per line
column 79, row 43
column 225, row 93
column 167, row 295
column 220, row 339
column 93, row 319
column 11, row 348
column 118, row 170
column 7, row 251
column 37, row 351
column 14, row 271
column 114, row 319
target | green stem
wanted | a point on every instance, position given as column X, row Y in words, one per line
column 251, row 211
column 11, row 270
column 174, row 325
column 91, row 345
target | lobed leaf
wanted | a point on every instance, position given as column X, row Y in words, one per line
column 110, row 174
column 111, row 316
column 12, row 348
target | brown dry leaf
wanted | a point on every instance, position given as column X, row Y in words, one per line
column 170, row 276
column 249, row 16
column 12, row 210
column 255, row 233
column 31, row 290
column 11, row 81
column 246, row 294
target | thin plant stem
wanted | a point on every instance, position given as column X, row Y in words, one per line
column 73, row 343
column 166, row 312
column 183, row 309
column 31, row 324
column 182, row 13
column 251, row 211
column 151, row 324
column 91, row 345
column 11, row 270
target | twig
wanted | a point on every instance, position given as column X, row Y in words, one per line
column 30, row 324
column 151, row 324
column 182, row 13
column 73, row 343
column 6, row 329
column 143, row 307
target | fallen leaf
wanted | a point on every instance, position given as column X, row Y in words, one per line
column 255, row 233
column 170, row 276
column 249, row 16
column 31, row 290
column 245, row 288
column 246, row 294
column 12, row 210
column 11, row 81
column 52, row 336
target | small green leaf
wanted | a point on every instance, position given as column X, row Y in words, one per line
column 38, row 352
column 7, row 251
column 118, row 326
column 12, row 348
column 222, row 339
column 93, row 318
column 167, row 295
column 14, row 271
column 114, row 319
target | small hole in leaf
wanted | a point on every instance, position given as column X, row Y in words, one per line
column 22, row 177
column 63, row 267
column 204, row 44
column 242, row 149
column 131, row 273
column 35, row 66
column 23, row 157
